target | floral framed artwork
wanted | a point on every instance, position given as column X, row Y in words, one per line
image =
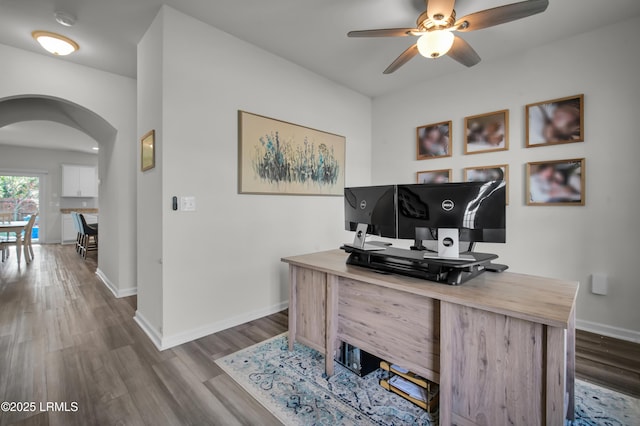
column 434, row 176
column 148, row 151
column 556, row 183
column 486, row 132
column 277, row 157
column 488, row 173
column 433, row 141
column 554, row 122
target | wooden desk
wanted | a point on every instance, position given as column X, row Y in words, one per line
column 501, row 346
column 17, row 228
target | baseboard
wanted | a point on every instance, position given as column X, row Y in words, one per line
column 610, row 331
column 118, row 293
column 149, row 330
column 168, row 342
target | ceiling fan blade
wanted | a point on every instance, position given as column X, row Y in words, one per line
column 390, row 32
column 439, row 10
column 462, row 52
column 500, row 15
column 405, row 57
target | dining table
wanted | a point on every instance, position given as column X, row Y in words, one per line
column 17, row 227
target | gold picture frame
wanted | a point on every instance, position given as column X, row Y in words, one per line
column 433, row 141
column 556, row 183
column 488, row 173
column 434, row 176
column 555, row 122
column 148, row 151
column 487, row 132
column 281, row 158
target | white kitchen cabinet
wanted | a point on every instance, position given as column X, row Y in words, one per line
column 79, row 181
column 69, row 233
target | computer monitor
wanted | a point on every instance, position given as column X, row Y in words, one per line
column 470, row 211
column 374, row 206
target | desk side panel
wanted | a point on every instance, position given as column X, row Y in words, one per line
column 311, row 302
column 492, row 368
column 399, row 327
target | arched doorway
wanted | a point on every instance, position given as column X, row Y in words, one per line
column 60, row 113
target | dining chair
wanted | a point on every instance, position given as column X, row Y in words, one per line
column 5, row 217
column 88, row 232
column 28, row 234
column 26, row 241
column 77, row 227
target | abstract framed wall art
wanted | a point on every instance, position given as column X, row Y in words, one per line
column 486, row 132
column 555, row 122
column 434, row 176
column 277, row 157
column 556, row 183
column 148, row 151
column 488, row 173
column 433, row 141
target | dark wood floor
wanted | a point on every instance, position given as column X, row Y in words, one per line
column 608, row 362
column 65, row 338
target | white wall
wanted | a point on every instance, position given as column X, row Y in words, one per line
column 150, row 72
column 563, row 242
column 48, row 161
column 113, row 98
column 221, row 264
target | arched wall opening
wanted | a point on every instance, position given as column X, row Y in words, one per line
column 34, row 107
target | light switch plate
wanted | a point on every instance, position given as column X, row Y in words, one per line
column 188, row 204
column 599, row 284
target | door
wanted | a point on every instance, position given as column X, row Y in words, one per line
column 20, row 198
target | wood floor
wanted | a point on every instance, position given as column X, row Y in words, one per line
column 65, row 338
column 608, row 362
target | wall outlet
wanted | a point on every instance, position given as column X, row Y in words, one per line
column 599, row 284
column 188, row 204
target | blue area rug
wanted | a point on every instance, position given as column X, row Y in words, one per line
column 292, row 386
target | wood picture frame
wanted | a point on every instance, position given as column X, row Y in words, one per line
column 556, row 183
column 487, row 132
column 488, row 173
column 434, row 176
column 281, row 158
column 555, row 122
column 434, row 141
column 148, row 151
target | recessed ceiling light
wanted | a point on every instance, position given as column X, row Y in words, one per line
column 95, row 148
column 64, row 18
column 54, row 43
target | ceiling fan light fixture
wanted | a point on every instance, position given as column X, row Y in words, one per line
column 435, row 43
column 56, row 44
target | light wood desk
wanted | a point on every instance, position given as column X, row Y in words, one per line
column 501, row 346
column 17, row 228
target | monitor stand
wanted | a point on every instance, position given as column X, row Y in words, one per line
column 359, row 240
column 448, row 246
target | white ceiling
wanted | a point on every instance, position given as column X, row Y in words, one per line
column 46, row 134
column 310, row 33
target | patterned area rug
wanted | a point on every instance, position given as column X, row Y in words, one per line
column 292, row 387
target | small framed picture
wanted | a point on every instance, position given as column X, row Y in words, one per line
column 556, row 183
column 487, row 174
column 434, row 141
column 487, row 132
column 434, row 176
column 148, row 151
column 555, row 122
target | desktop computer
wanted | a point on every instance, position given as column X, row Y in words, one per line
column 447, row 213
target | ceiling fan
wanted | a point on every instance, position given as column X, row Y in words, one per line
column 436, row 25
